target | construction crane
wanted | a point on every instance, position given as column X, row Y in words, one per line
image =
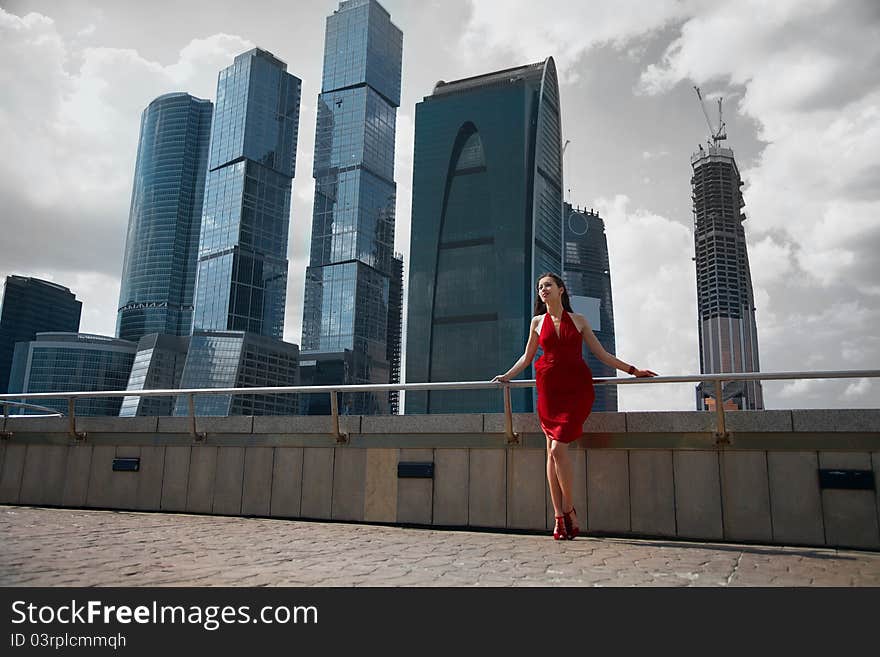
column 716, row 134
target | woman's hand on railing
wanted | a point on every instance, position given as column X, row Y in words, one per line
column 501, row 378
column 644, row 373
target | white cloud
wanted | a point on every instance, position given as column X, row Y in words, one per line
column 653, row 288
column 495, row 33
column 75, row 133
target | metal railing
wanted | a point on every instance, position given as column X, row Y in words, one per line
column 721, row 433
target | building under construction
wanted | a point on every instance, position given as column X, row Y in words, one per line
column 728, row 335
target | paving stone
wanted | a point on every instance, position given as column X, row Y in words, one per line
column 104, row 548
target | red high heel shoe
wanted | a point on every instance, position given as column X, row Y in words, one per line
column 570, row 530
column 559, row 531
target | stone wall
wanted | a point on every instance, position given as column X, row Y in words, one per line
column 636, row 474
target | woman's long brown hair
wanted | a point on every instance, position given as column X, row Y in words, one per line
column 540, row 306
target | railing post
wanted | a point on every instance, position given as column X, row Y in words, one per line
column 71, row 424
column 4, row 434
column 512, row 438
column 721, row 435
column 334, row 413
column 192, row 418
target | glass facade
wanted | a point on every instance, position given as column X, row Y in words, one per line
column 242, row 253
column 32, row 306
column 349, row 278
column 395, row 330
column 587, row 275
column 159, row 269
column 78, row 362
column 486, row 210
column 239, row 360
column 725, row 301
column 158, row 365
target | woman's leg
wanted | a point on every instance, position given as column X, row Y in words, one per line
column 564, row 475
column 552, row 479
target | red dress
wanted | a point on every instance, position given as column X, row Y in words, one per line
column 564, row 380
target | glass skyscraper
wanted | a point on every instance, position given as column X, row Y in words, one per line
column 234, row 359
column 242, row 256
column 348, row 281
column 725, row 301
column 159, row 269
column 32, row 306
column 158, row 365
column 486, row 221
column 238, row 319
column 74, row 362
column 587, row 275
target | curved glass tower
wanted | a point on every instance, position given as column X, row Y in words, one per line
column 486, row 220
column 158, row 274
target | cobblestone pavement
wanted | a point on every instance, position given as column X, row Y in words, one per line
column 66, row 547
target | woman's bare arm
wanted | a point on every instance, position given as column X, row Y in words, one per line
column 609, row 359
column 526, row 358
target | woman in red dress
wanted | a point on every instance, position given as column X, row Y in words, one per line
column 565, row 388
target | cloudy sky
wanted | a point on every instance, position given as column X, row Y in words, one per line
column 800, row 81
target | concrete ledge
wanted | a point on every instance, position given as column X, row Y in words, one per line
column 670, row 422
column 305, row 424
column 522, row 423
column 765, row 421
column 208, row 424
column 836, row 420
column 529, row 423
column 117, row 424
column 452, row 423
column 37, row 425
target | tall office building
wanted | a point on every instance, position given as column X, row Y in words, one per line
column 241, row 284
column 159, row 269
column 236, row 359
column 242, row 258
column 32, row 306
column 74, row 362
column 158, row 365
column 486, row 221
column 725, row 302
column 349, row 278
column 587, row 275
column 395, row 329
